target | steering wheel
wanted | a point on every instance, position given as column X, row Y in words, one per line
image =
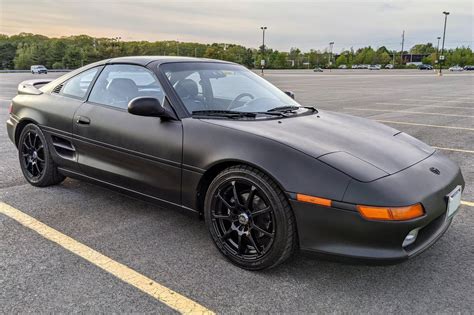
column 238, row 98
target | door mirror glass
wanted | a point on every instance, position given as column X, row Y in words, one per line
column 147, row 106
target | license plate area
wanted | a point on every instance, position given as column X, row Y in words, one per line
column 454, row 201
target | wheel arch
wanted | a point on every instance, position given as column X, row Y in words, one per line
column 20, row 126
column 218, row 167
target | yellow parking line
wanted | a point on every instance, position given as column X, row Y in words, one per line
column 467, row 203
column 423, row 125
column 166, row 296
column 407, row 111
column 456, row 150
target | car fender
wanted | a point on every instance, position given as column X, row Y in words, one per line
column 206, row 145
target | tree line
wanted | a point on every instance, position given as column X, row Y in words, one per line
column 23, row 50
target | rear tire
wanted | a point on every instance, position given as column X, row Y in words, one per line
column 36, row 163
column 250, row 219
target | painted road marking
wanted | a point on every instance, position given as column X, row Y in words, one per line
column 423, row 105
column 423, row 125
column 436, row 101
column 407, row 111
column 164, row 295
column 456, row 150
column 467, row 203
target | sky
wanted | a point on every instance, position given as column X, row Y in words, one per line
column 300, row 23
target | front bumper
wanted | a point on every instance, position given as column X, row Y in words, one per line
column 341, row 231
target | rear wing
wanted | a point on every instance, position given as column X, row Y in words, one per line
column 31, row 87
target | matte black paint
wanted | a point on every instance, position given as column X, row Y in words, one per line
column 347, row 159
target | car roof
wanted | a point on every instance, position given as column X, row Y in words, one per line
column 145, row 60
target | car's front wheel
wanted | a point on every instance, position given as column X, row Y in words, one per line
column 250, row 219
column 36, row 163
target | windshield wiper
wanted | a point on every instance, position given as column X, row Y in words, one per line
column 234, row 114
column 283, row 109
column 223, row 113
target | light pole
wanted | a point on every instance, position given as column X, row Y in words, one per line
column 331, row 44
column 437, row 50
column 446, row 13
column 262, row 62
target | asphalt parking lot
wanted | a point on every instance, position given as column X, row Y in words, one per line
column 175, row 251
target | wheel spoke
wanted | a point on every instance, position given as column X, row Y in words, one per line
column 262, row 211
column 240, row 246
column 29, row 140
column 250, row 197
column 34, row 140
column 37, row 169
column 227, row 234
column 252, row 242
column 40, row 147
column 228, row 206
column 236, row 195
column 222, row 217
column 256, row 227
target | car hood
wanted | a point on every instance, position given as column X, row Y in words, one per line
column 363, row 149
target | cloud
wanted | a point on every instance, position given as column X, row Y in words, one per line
column 304, row 24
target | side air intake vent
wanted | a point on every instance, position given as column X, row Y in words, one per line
column 58, row 88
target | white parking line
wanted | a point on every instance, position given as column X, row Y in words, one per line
column 422, row 105
column 407, row 111
column 438, row 101
column 422, row 125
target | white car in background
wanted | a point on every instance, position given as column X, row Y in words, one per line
column 456, row 68
column 373, row 67
column 389, row 66
column 38, row 69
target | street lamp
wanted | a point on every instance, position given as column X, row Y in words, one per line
column 442, row 46
column 262, row 62
column 437, row 50
column 330, row 55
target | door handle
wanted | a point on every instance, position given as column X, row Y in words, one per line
column 82, row 120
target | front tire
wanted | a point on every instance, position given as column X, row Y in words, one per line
column 250, row 219
column 36, row 163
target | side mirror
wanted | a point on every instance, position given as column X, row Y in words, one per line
column 290, row 94
column 148, row 106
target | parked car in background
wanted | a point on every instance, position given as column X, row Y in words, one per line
column 342, row 67
column 425, row 67
column 354, row 66
column 318, row 69
column 456, row 68
column 38, row 69
column 468, row 68
column 389, row 66
column 373, row 67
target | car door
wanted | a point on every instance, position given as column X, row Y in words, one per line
column 59, row 107
column 142, row 154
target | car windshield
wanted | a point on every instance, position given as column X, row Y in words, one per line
column 208, row 87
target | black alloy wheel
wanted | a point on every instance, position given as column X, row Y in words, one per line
column 249, row 218
column 35, row 160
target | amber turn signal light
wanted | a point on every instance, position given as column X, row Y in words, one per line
column 315, row 200
column 391, row 213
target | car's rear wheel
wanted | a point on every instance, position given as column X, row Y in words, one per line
column 250, row 219
column 36, row 163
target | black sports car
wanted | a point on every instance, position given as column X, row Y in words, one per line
column 268, row 175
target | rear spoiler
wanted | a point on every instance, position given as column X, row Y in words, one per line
column 29, row 87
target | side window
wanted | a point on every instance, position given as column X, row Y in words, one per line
column 78, row 85
column 118, row 84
